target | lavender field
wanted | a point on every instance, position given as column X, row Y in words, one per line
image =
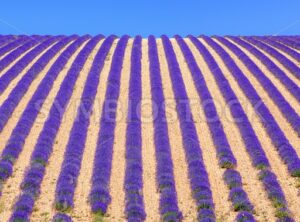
column 195, row 128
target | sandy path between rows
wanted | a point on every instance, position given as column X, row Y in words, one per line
column 253, row 187
column 185, row 200
column 289, row 132
column 11, row 123
column 219, row 189
column 281, row 88
column 43, row 210
column 287, row 183
column 12, row 187
column 82, row 210
column 282, row 67
column 16, row 60
column 15, row 81
column 116, row 210
column 151, row 195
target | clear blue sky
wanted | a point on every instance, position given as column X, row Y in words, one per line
column 231, row 17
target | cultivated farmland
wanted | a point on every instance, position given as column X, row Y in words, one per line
column 155, row 129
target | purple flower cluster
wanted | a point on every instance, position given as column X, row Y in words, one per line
column 12, row 45
column 19, row 51
column 133, row 184
column 25, row 203
column 71, row 165
column 253, row 146
column 275, row 194
column 22, row 86
column 270, row 88
column 291, row 86
column 164, row 169
column 226, row 158
column 294, row 69
column 60, row 217
column 23, row 62
column 284, row 148
column 197, row 173
column 17, row 138
column 280, row 46
column 34, row 175
column 100, row 195
column 237, row 195
column 244, row 216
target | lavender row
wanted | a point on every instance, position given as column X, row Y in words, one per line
column 276, row 195
column 23, row 62
column 284, row 148
column 198, row 176
column 6, row 40
column 100, row 195
column 168, row 204
column 17, row 52
column 232, row 178
column 277, row 72
column 67, row 180
column 281, row 47
column 9, row 105
column 39, row 159
column 17, row 138
column 269, row 87
column 252, row 144
column 277, row 55
column 289, row 42
column 14, row 44
column 237, row 195
column 133, row 183
column 296, row 38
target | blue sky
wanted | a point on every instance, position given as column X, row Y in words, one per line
column 209, row 17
